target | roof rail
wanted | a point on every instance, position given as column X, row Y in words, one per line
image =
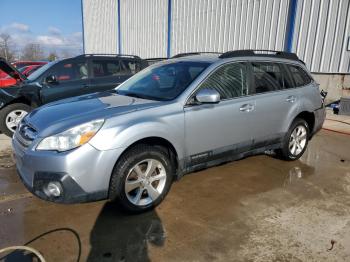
column 262, row 52
column 156, row 58
column 114, row 55
column 193, row 53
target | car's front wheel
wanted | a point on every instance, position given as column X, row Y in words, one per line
column 11, row 116
column 142, row 178
column 296, row 140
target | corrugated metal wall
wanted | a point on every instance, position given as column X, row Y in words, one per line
column 100, row 26
column 321, row 29
column 144, row 27
column 221, row 25
column 321, row 34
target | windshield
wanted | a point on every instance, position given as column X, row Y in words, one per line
column 162, row 82
column 22, row 69
column 40, row 71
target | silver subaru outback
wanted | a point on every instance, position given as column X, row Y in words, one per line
column 172, row 118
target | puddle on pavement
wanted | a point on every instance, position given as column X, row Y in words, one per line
column 10, row 185
column 208, row 215
column 6, row 159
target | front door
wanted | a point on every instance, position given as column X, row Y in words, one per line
column 214, row 131
column 72, row 80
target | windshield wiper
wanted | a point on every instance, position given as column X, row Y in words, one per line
column 131, row 94
column 137, row 95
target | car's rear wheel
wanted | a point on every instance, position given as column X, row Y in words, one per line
column 11, row 116
column 296, row 140
column 142, row 178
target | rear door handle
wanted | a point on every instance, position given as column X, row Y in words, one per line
column 246, row 108
column 291, row 99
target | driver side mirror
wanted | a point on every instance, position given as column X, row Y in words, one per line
column 208, row 96
column 51, row 79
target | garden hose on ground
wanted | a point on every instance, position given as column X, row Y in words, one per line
column 336, row 131
column 30, row 249
column 335, row 120
column 36, row 252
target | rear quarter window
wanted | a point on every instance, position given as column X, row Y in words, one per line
column 131, row 67
column 300, row 77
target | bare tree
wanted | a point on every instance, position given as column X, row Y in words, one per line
column 7, row 49
column 32, row 52
column 52, row 56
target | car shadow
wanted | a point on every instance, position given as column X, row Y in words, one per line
column 121, row 236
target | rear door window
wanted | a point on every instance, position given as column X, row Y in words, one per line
column 269, row 77
column 229, row 81
column 105, row 68
column 300, row 77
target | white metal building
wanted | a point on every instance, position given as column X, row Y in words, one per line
column 317, row 30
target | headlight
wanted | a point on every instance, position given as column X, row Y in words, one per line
column 71, row 138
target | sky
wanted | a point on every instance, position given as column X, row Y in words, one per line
column 54, row 24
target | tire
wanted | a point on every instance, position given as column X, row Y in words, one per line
column 293, row 149
column 126, row 176
column 5, row 116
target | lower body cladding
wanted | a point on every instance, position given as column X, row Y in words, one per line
column 75, row 176
column 320, row 116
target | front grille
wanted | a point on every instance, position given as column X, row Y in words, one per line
column 25, row 134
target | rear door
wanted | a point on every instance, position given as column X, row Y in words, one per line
column 305, row 86
column 72, row 80
column 106, row 73
column 276, row 102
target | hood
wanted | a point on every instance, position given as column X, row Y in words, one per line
column 60, row 116
column 11, row 70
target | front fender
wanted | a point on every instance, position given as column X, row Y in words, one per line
column 123, row 137
column 7, row 95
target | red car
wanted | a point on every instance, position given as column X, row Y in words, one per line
column 21, row 64
column 7, row 80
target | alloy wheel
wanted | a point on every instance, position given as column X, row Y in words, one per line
column 14, row 118
column 297, row 140
column 145, row 182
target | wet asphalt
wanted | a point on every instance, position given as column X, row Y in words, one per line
column 255, row 209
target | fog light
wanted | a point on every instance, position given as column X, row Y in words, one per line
column 53, row 189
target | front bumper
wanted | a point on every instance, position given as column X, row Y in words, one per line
column 83, row 173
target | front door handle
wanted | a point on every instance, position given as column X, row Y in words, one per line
column 291, row 99
column 246, row 108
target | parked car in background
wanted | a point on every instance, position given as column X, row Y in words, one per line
column 26, row 71
column 174, row 117
column 21, row 64
column 61, row 79
column 152, row 61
